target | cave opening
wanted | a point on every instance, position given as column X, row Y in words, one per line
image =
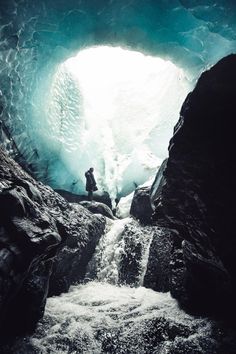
column 111, row 108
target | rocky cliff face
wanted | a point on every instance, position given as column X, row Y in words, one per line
column 36, row 223
column 197, row 199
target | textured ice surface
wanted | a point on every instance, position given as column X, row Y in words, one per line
column 37, row 37
column 112, row 109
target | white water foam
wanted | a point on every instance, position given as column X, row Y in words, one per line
column 107, row 256
column 99, row 317
column 115, row 253
column 102, row 318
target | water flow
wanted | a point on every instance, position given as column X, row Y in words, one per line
column 102, row 318
column 122, row 254
column 105, row 263
column 99, row 317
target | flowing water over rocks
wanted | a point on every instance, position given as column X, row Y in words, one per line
column 104, row 318
column 122, row 254
column 101, row 316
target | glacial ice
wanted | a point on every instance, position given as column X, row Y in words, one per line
column 36, row 39
column 113, row 109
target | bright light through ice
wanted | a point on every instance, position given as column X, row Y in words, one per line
column 115, row 109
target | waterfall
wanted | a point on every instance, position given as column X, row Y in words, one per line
column 112, row 312
column 122, row 254
column 105, row 263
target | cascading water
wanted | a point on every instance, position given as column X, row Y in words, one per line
column 105, row 263
column 122, row 254
column 101, row 316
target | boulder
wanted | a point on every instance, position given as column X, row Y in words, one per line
column 197, row 199
column 69, row 265
column 141, row 207
column 135, row 241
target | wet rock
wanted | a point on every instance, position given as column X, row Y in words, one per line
column 156, row 188
column 98, row 208
column 29, row 304
column 141, row 205
column 29, row 238
column 69, row 266
column 197, row 199
column 37, row 226
column 178, row 275
column 158, row 273
column 135, row 245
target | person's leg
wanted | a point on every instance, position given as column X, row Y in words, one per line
column 90, row 195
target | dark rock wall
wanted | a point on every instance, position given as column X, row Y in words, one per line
column 198, row 196
column 69, row 266
column 29, row 236
column 36, row 223
column 158, row 272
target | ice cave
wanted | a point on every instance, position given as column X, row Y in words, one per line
column 46, row 95
column 144, row 92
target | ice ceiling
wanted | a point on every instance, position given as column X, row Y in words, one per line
column 58, row 118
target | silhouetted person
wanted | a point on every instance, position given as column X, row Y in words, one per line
column 115, row 209
column 91, row 184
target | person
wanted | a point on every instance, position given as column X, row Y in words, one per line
column 115, row 209
column 91, row 184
